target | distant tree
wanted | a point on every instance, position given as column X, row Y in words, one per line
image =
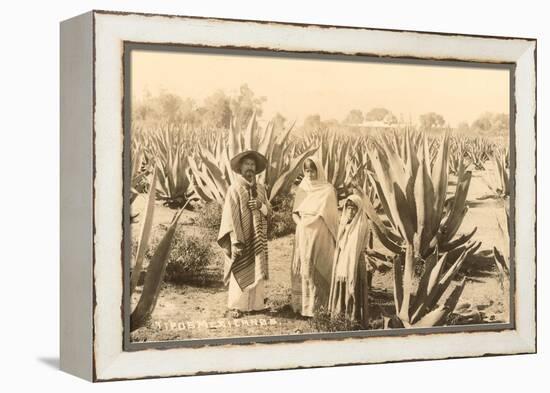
column 312, row 123
column 390, row 119
column 355, row 116
column 170, row 106
column 244, row 105
column 501, row 123
column 491, row 123
column 187, row 111
column 431, row 120
column 463, row 127
column 330, row 124
column 377, row 114
column 483, row 123
column 165, row 107
column 279, row 122
column 143, row 111
column 216, row 110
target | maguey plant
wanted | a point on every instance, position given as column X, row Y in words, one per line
column 359, row 172
column 334, row 151
column 137, row 174
column 499, row 183
column 479, row 151
column 141, row 166
column 423, row 227
column 498, row 180
column 457, row 155
column 501, row 253
column 170, row 147
column 157, row 265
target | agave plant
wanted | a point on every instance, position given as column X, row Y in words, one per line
column 501, row 254
column 157, row 265
column 479, row 151
column 359, row 173
column 414, row 197
column 430, row 302
column 333, row 154
column 170, row 148
column 144, row 235
column 423, row 223
column 457, row 155
column 140, row 165
column 137, row 174
column 499, row 181
column 209, row 176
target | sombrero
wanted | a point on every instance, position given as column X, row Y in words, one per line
column 261, row 161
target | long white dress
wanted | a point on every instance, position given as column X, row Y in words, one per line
column 314, row 244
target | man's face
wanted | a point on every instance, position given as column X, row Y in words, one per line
column 248, row 168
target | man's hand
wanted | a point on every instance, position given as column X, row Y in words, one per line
column 254, row 204
column 236, row 250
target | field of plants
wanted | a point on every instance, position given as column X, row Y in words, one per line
column 438, row 203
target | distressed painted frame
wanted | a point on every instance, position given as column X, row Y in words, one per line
column 100, row 298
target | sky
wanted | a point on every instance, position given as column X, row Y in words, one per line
column 297, row 87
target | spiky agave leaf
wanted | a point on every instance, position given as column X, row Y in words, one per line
column 425, row 200
column 501, row 253
column 407, row 284
column 398, row 291
column 216, row 174
column 388, row 183
column 446, row 306
column 499, row 182
column 457, row 212
column 145, row 233
column 440, row 181
column 437, row 287
column 204, row 183
column 154, row 277
column 386, row 236
column 430, row 275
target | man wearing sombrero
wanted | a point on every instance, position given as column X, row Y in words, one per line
column 243, row 234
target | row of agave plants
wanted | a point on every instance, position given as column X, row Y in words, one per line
column 403, row 177
column 195, row 164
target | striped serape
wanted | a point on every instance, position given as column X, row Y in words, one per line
column 247, row 229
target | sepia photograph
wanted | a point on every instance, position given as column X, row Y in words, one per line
column 271, row 195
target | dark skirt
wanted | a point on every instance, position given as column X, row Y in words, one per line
column 353, row 306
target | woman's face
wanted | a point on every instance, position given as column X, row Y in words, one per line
column 310, row 173
column 350, row 212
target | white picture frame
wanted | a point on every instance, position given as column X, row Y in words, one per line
column 92, row 140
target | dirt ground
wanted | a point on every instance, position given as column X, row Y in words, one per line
column 194, row 312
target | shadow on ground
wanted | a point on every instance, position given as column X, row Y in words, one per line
column 52, row 362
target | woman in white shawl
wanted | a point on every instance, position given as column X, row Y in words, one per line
column 349, row 290
column 315, row 212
